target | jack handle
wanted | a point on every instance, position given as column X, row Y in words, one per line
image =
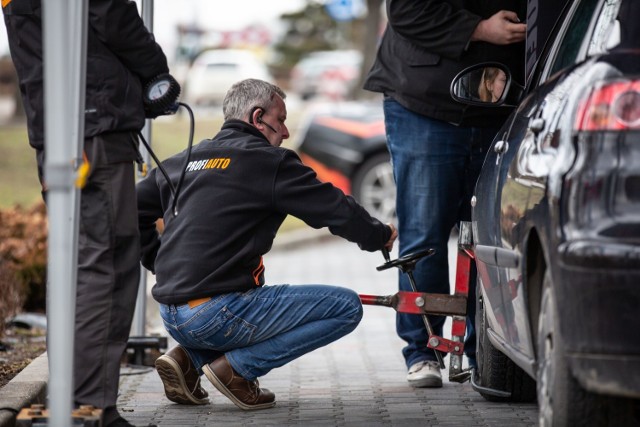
column 385, row 254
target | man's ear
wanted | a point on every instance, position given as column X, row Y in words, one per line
column 255, row 116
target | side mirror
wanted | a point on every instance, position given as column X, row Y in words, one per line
column 486, row 84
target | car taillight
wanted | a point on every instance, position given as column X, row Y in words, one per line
column 610, row 106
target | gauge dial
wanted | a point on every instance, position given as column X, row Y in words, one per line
column 160, row 96
column 158, row 89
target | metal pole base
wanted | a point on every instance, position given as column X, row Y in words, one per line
column 139, row 345
column 38, row 416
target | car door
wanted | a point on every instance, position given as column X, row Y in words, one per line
column 519, row 184
column 502, row 198
column 523, row 203
column 499, row 201
column 526, row 201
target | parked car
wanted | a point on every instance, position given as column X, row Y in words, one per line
column 331, row 73
column 345, row 144
column 556, row 225
column 214, row 71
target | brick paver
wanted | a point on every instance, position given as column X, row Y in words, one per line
column 356, row 381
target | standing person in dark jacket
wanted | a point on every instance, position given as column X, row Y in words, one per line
column 438, row 146
column 238, row 188
column 121, row 57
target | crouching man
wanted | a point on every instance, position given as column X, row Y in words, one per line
column 237, row 190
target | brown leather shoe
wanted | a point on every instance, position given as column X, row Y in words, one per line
column 244, row 394
column 180, row 378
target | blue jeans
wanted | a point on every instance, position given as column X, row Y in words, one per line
column 263, row 328
column 435, row 165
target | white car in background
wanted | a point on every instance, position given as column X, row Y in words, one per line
column 214, row 71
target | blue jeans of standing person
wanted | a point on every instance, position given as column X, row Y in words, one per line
column 263, row 328
column 435, row 165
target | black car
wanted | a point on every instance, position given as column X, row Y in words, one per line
column 556, row 224
column 345, row 143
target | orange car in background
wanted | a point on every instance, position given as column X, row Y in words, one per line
column 346, row 145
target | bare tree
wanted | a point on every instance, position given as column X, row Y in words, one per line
column 369, row 44
column 9, row 86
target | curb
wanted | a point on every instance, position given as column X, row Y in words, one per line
column 25, row 389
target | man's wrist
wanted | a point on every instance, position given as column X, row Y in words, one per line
column 479, row 33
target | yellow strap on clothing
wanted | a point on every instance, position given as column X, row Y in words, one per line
column 83, row 171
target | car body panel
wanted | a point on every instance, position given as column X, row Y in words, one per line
column 345, row 143
column 338, row 139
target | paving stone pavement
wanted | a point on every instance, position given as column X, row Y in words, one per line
column 356, row 381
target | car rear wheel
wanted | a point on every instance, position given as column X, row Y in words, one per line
column 374, row 188
column 562, row 400
column 495, row 370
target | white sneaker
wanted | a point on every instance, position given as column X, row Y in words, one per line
column 425, row 374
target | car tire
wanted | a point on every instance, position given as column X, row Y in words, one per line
column 495, row 370
column 561, row 398
column 373, row 186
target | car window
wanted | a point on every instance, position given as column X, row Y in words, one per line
column 606, row 33
column 572, row 37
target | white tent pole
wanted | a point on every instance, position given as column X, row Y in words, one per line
column 64, row 34
column 139, row 316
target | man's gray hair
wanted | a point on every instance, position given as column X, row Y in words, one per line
column 248, row 94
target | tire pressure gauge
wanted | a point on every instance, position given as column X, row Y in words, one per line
column 160, row 95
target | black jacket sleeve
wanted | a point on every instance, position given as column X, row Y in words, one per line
column 149, row 211
column 441, row 27
column 118, row 25
column 298, row 192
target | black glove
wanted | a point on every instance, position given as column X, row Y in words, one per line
column 160, row 96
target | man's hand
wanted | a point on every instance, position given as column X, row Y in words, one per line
column 394, row 236
column 501, row 29
column 160, row 96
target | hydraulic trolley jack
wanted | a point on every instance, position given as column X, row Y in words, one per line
column 439, row 304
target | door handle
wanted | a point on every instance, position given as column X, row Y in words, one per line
column 500, row 148
column 537, row 125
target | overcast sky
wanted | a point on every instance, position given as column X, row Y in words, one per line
column 209, row 14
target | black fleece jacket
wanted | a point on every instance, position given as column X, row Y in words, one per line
column 237, row 191
column 427, row 43
column 121, row 57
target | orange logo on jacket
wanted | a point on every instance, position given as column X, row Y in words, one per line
column 217, row 163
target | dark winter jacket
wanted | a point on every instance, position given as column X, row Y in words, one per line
column 237, row 191
column 121, row 56
column 427, row 43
